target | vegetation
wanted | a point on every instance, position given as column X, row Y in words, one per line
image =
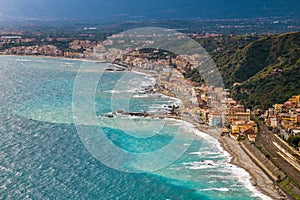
column 267, row 66
column 194, row 76
column 294, row 141
column 275, row 76
column 248, row 59
column 290, row 187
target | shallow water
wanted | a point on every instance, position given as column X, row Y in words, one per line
column 43, row 157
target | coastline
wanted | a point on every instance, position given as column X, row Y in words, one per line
column 238, row 158
column 55, row 57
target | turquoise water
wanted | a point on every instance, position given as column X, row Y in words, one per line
column 43, row 157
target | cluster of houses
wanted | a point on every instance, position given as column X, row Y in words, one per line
column 234, row 119
column 14, row 39
column 238, row 119
column 285, row 117
column 211, row 106
column 45, row 50
column 204, row 104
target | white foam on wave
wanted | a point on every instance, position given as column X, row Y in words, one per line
column 137, row 82
column 120, row 91
column 23, row 60
column 2, row 168
column 113, row 91
column 33, row 60
column 244, row 178
column 217, row 189
column 147, row 76
column 157, row 106
column 141, row 95
column 208, row 154
column 240, row 174
column 68, row 63
column 201, row 165
column 215, row 147
column 152, row 81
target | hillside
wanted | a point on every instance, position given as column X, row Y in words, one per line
column 270, row 72
column 268, row 67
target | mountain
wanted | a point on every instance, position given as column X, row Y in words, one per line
column 267, row 68
column 122, row 10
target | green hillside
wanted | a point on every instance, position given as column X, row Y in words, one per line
column 252, row 60
column 272, row 74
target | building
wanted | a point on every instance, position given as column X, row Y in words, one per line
column 244, row 128
column 278, row 108
column 214, row 119
column 232, row 116
column 249, row 132
column 274, row 121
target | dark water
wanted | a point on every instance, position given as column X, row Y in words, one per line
column 43, row 157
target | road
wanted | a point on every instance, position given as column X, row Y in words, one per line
column 280, row 153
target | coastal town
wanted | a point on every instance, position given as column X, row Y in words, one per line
column 150, row 100
column 234, row 120
column 200, row 103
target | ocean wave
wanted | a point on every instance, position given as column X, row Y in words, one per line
column 23, row 60
column 244, row 179
column 204, row 164
column 208, row 154
column 2, row 168
column 141, row 95
column 210, row 143
column 113, row 91
column 147, row 76
column 241, row 175
column 217, row 189
column 120, row 91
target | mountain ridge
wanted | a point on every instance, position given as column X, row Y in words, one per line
column 269, row 71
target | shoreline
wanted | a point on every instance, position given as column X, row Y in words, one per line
column 238, row 156
column 56, row 57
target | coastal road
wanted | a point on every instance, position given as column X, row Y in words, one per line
column 279, row 153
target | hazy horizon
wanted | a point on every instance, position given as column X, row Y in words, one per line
column 145, row 10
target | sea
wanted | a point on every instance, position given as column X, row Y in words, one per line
column 45, row 155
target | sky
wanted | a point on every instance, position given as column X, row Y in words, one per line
column 146, row 9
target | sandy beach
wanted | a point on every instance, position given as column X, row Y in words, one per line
column 238, row 156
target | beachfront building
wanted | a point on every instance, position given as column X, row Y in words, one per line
column 214, row 119
column 245, row 129
column 236, row 112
